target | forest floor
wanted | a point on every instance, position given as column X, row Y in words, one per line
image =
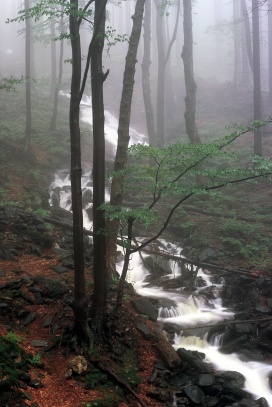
column 21, row 183
column 54, row 388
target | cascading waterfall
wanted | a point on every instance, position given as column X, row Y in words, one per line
column 190, row 310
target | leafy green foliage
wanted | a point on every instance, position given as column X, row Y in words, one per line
column 243, row 240
column 171, row 175
column 36, row 360
column 11, row 358
column 10, row 83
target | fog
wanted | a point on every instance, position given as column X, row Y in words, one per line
column 215, row 59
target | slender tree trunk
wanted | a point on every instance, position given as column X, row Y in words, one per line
column 269, row 15
column 146, row 75
column 246, row 72
column 123, row 132
column 256, row 75
column 28, row 81
column 99, row 226
column 237, row 45
column 248, row 34
column 169, row 96
column 59, row 81
column 80, row 303
column 161, row 73
column 187, row 56
column 53, row 54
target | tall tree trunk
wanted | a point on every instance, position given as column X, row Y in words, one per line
column 28, row 81
column 246, row 71
column 248, row 34
column 53, row 54
column 80, row 303
column 169, row 96
column 237, row 45
column 99, row 226
column 269, row 15
column 146, row 75
column 160, row 136
column 256, row 75
column 123, row 132
column 59, row 81
column 187, row 56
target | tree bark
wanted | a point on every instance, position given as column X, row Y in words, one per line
column 59, row 81
column 123, row 133
column 187, row 56
column 161, row 73
column 28, row 81
column 247, row 33
column 99, row 226
column 53, row 54
column 146, row 75
column 269, row 15
column 256, row 75
column 80, row 303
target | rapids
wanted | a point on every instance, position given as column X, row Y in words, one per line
column 191, row 310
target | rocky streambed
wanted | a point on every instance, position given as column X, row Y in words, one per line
column 179, row 378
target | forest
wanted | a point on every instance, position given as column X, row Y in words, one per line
column 135, row 203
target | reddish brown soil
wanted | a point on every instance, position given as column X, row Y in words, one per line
column 57, row 391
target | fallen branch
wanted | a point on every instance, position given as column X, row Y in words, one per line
column 156, row 252
column 117, row 379
column 228, row 323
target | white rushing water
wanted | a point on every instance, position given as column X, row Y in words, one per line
column 191, row 310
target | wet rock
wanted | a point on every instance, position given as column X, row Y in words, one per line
column 144, row 329
column 204, row 380
column 195, row 394
column 30, row 318
column 4, row 308
column 262, row 308
column 68, row 262
column 181, row 380
column 230, row 346
column 36, row 384
column 26, row 297
column 157, row 266
column 51, row 288
column 38, row 299
column 262, row 402
column 144, row 306
column 38, row 344
column 12, row 285
column 246, row 403
column 232, row 378
column 59, row 269
column 22, row 313
column 28, row 396
column 245, row 327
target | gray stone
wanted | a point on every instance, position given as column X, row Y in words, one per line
column 48, row 321
column 36, row 384
column 195, row 394
column 145, row 306
column 30, row 318
column 38, row 344
column 144, row 329
column 205, row 379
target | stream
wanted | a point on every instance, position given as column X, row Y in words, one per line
column 188, row 310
